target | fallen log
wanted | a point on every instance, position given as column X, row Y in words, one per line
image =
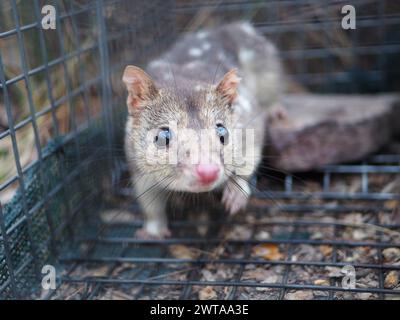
column 331, row 129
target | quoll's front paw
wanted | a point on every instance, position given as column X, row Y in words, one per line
column 149, row 233
column 236, row 196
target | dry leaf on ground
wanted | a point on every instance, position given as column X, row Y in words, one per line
column 391, row 279
column 180, row 251
column 391, row 254
column 258, row 274
column 326, row 250
column 321, row 282
column 299, row 295
column 207, row 293
column 267, row 251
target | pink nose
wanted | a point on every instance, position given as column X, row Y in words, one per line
column 207, row 173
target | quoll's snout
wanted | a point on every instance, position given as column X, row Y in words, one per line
column 207, row 173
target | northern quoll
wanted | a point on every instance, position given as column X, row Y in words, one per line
column 197, row 124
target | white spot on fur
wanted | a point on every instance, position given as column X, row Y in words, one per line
column 246, row 55
column 206, row 46
column 156, row 64
column 248, row 28
column 195, row 52
column 202, row 34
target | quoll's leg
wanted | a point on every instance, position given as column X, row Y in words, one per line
column 153, row 205
column 236, row 195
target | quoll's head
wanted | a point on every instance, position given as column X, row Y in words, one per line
column 179, row 135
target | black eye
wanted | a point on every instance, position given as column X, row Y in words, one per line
column 163, row 137
column 222, row 133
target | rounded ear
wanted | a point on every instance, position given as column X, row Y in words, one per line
column 227, row 87
column 140, row 86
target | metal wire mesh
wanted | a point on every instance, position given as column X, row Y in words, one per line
column 70, row 203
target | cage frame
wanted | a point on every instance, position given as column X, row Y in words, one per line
column 377, row 164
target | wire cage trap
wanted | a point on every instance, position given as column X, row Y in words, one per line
column 65, row 199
